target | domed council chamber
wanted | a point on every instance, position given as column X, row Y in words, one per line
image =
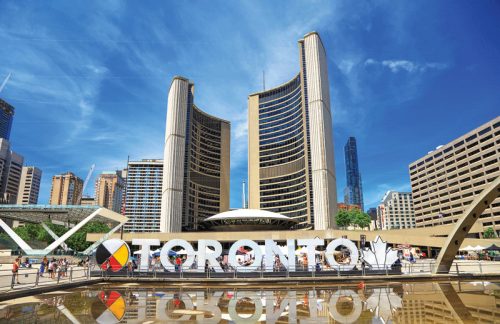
column 249, row 220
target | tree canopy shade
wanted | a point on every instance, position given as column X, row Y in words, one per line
column 352, row 217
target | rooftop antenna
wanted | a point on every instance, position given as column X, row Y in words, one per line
column 263, row 80
column 244, row 196
column 5, row 82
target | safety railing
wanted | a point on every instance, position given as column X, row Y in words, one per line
column 33, row 277
column 159, row 271
column 406, row 268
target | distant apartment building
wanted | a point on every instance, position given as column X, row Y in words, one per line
column 396, row 211
column 66, row 189
column 143, row 198
column 291, row 165
column 109, row 188
column 87, row 201
column 353, row 193
column 196, row 162
column 6, row 118
column 11, row 165
column 445, row 181
column 29, row 186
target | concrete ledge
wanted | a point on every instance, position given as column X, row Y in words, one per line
column 44, row 289
column 303, row 280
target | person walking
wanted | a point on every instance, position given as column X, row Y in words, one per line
column 178, row 263
column 15, row 270
column 43, row 266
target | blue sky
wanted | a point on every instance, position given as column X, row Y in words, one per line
column 90, row 78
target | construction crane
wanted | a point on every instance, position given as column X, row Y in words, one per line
column 86, row 182
column 5, row 82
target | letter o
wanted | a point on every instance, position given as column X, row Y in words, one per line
column 330, row 250
column 165, row 261
column 231, row 308
column 357, row 307
column 257, row 254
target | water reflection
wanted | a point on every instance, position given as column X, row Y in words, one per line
column 371, row 303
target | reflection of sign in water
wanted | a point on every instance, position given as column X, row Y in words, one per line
column 379, row 256
column 110, row 308
column 114, row 253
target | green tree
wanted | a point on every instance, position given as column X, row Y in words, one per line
column 78, row 241
column 343, row 219
column 489, row 233
column 361, row 219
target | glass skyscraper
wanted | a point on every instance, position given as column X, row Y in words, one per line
column 353, row 193
column 6, row 117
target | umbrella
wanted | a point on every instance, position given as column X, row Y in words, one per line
column 492, row 247
column 479, row 248
column 468, row 248
column 181, row 252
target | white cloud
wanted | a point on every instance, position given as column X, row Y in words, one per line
column 404, row 65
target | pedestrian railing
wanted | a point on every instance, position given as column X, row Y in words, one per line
column 419, row 268
column 32, row 277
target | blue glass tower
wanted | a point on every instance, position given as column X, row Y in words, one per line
column 6, row 117
column 353, row 194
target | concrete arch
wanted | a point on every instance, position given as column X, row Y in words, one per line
column 463, row 226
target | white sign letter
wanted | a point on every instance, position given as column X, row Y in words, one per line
column 330, row 257
column 257, row 255
column 145, row 245
column 205, row 255
column 165, row 261
column 311, row 250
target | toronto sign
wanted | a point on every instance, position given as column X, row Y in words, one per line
column 114, row 254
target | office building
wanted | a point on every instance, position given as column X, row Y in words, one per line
column 66, row 189
column 143, row 198
column 109, row 188
column 6, row 117
column 396, row 211
column 11, row 165
column 290, row 144
column 196, row 162
column 29, row 186
column 445, row 181
column 372, row 212
column 353, row 193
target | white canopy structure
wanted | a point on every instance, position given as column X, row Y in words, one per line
column 74, row 217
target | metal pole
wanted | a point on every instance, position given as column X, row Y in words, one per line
column 71, row 274
column 37, row 277
column 456, row 266
column 480, row 268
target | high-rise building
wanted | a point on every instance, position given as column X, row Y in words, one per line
column 196, row 162
column 396, row 211
column 66, row 189
column 143, row 198
column 29, row 186
column 6, row 117
column 372, row 212
column 445, row 181
column 290, row 144
column 109, row 187
column 11, row 165
column 353, row 193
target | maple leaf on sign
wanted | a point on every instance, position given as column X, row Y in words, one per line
column 379, row 256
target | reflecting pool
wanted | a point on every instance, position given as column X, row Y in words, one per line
column 415, row 302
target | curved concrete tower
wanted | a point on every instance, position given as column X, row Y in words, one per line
column 291, row 162
column 196, row 162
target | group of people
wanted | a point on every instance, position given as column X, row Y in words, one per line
column 53, row 267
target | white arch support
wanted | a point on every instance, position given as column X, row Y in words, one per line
column 463, row 226
column 101, row 212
